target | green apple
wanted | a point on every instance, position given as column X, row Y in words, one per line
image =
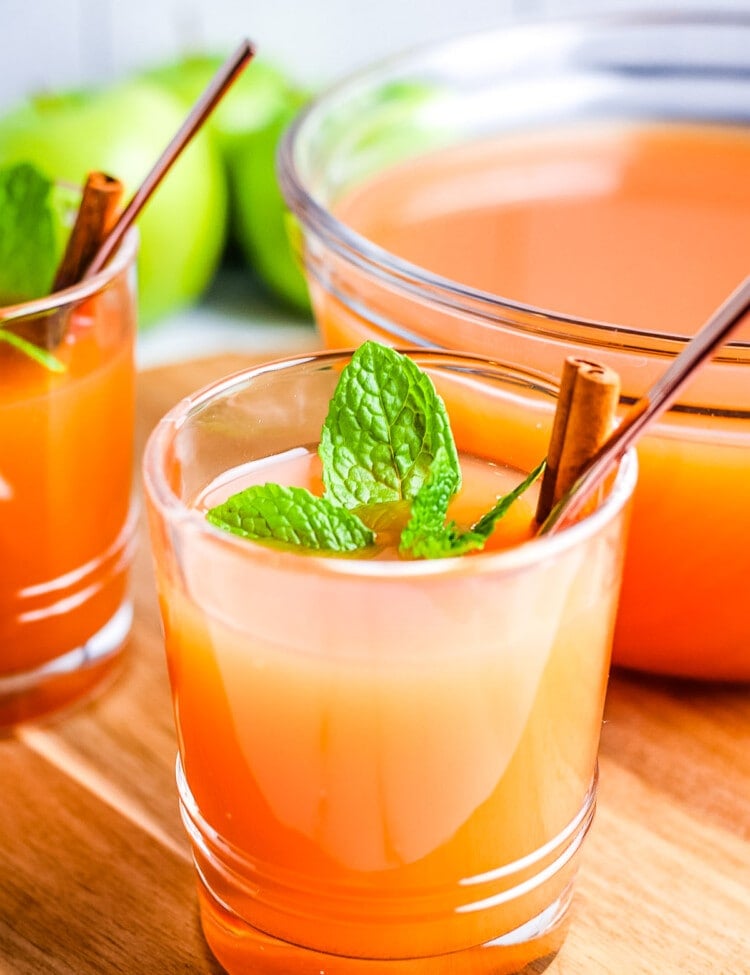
column 259, row 93
column 376, row 131
column 246, row 126
column 123, row 130
column 260, row 221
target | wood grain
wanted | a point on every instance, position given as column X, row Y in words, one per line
column 95, row 875
column 83, row 889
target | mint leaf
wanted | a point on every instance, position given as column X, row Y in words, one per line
column 384, row 427
column 445, row 542
column 292, row 515
column 388, row 452
column 427, row 536
column 29, row 234
column 487, row 522
column 42, row 356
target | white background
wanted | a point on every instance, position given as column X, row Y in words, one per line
column 48, row 44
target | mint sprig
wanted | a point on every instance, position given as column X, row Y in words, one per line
column 35, row 352
column 28, row 235
column 32, row 236
column 385, row 425
column 386, row 443
column 427, row 536
column 292, row 516
column 486, row 524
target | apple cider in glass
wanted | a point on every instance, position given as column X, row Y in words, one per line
column 66, row 521
column 387, row 763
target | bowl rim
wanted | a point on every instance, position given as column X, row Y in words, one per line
column 445, row 292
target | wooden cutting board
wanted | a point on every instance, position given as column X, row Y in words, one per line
column 95, row 873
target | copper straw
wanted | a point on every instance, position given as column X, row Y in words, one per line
column 661, row 395
column 201, row 110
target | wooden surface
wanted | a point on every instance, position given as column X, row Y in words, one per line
column 95, row 875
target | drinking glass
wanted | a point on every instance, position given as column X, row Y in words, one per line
column 384, row 766
column 67, row 521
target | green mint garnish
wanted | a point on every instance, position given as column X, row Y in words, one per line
column 29, row 238
column 32, row 234
column 486, row 523
column 428, row 537
column 42, row 356
column 385, row 425
column 293, row 516
column 388, row 454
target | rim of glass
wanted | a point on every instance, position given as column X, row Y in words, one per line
column 444, row 291
column 176, row 512
column 79, row 291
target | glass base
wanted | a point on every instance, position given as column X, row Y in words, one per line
column 244, row 950
column 510, row 921
column 66, row 680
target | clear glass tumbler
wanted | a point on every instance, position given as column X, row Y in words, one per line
column 384, row 766
column 67, row 523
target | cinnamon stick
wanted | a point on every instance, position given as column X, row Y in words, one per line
column 95, row 217
column 584, row 419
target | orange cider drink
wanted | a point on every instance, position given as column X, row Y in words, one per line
column 66, row 522
column 523, row 246
column 385, row 765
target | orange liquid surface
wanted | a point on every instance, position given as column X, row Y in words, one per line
column 65, row 484
column 642, row 225
column 371, row 748
column 646, row 227
column 485, row 482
